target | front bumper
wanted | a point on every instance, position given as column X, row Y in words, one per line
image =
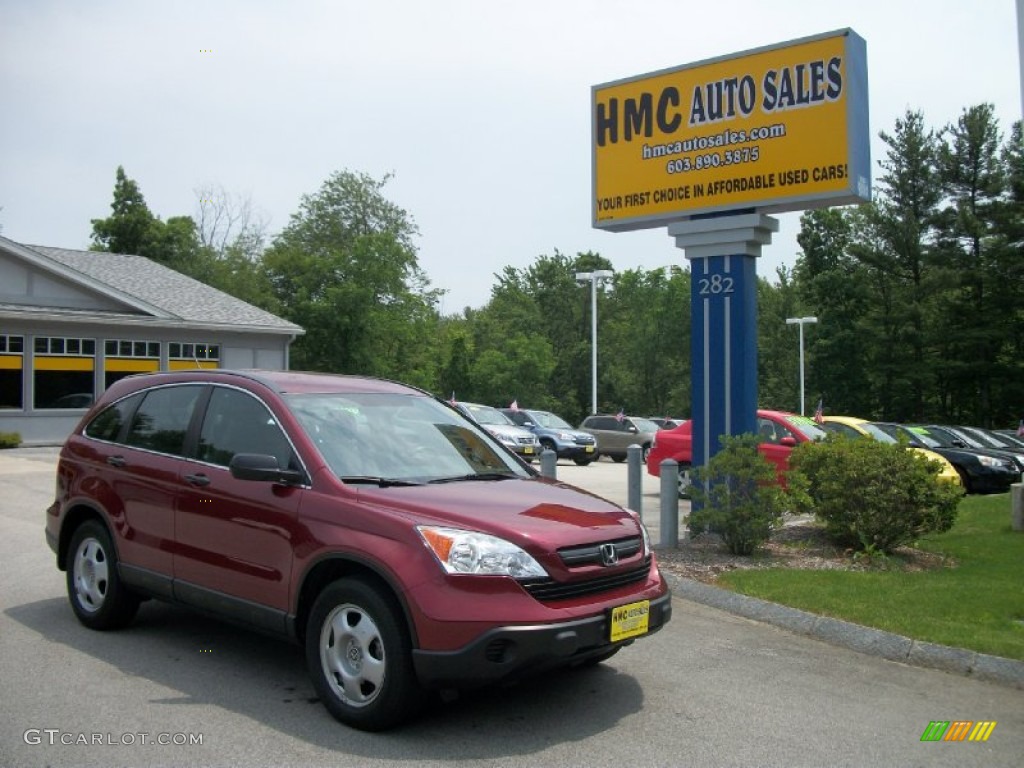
column 505, row 653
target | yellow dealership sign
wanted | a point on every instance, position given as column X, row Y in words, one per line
column 775, row 129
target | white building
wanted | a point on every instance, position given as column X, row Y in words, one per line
column 73, row 322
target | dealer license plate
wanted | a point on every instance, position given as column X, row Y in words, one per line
column 528, row 449
column 630, row 620
column 589, row 449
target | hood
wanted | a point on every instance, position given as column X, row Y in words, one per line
column 534, row 513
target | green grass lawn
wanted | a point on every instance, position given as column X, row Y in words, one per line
column 977, row 604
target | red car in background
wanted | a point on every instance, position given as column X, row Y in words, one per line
column 779, row 433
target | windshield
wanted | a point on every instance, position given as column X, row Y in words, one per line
column 923, row 436
column 986, row 438
column 877, row 433
column 549, row 420
column 808, row 426
column 485, row 414
column 392, row 437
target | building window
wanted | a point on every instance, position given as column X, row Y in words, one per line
column 11, row 367
column 62, row 373
column 183, row 355
column 124, row 357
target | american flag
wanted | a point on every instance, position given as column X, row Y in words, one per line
column 451, row 399
column 621, row 415
column 1020, row 429
column 514, row 405
column 819, row 413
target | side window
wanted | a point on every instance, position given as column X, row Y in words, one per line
column 162, row 419
column 766, row 431
column 107, row 424
column 236, row 422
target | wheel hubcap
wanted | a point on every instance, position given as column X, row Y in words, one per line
column 352, row 655
column 91, row 575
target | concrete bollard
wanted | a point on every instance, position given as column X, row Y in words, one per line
column 549, row 463
column 634, row 464
column 1017, row 507
column 669, row 499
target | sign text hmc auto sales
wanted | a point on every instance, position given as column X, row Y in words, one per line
column 779, row 128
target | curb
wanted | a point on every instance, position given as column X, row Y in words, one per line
column 874, row 642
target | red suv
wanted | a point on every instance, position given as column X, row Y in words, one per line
column 778, row 434
column 403, row 545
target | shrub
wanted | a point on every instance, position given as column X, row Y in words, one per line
column 874, row 496
column 10, row 439
column 736, row 496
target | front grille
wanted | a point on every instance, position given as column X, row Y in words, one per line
column 590, row 554
column 549, row 589
column 585, row 440
column 525, row 440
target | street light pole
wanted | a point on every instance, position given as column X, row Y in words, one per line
column 801, row 321
column 593, row 277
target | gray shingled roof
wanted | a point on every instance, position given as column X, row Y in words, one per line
column 172, row 292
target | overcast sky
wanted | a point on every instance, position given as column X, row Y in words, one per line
column 480, row 109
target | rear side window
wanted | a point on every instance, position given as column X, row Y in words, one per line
column 162, row 419
column 108, row 423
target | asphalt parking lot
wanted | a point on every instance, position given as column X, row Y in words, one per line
column 711, row 689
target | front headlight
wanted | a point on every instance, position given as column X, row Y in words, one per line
column 461, row 551
column 990, row 461
column 506, row 439
column 566, row 437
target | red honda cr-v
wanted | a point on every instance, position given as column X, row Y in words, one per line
column 405, row 547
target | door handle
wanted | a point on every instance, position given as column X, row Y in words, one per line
column 116, row 461
column 198, row 479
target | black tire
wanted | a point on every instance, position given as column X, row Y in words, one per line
column 618, row 458
column 359, row 656
column 645, row 452
column 582, row 461
column 98, row 597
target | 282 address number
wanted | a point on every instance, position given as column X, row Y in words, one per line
column 715, row 285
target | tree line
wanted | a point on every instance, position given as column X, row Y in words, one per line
column 919, row 294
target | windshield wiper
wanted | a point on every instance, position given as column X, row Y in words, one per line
column 383, row 482
column 475, row 476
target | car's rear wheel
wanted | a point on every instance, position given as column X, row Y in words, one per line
column 359, row 656
column 582, row 461
column 618, row 458
column 98, row 597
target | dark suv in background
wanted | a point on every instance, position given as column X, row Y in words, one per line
column 556, row 434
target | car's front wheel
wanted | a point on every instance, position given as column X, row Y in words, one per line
column 360, row 657
column 97, row 595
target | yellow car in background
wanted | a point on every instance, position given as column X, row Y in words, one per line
column 851, row 426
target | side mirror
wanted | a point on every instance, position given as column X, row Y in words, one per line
column 262, row 468
column 788, row 441
column 632, row 429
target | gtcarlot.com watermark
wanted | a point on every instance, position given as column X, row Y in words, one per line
column 55, row 736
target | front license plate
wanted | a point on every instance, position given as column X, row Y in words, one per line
column 589, row 449
column 630, row 620
column 528, row 450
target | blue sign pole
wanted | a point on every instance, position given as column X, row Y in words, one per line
column 723, row 309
